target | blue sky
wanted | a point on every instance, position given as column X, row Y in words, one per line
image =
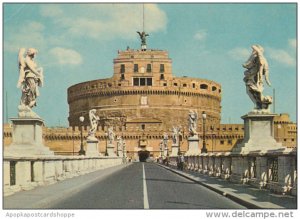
column 77, row 42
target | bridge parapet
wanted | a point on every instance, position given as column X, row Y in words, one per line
column 274, row 171
column 27, row 173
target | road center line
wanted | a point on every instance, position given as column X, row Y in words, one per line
column 146, row 202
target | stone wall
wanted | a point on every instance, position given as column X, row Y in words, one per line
column 27, row 173
column 276, row 172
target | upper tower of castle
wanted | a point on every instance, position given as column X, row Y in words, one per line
column 143, row 67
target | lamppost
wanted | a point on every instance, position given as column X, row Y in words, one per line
column 180, row 140
column 106, row 139
column 124, row 152
column 81, row 152
column 204, row 150
column 161, row 149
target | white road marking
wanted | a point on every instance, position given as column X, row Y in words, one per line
column 146, row 202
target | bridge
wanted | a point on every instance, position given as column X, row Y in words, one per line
column 246, row 177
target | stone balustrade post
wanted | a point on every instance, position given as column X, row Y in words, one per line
column 262, row 171
column 23, row 174
column 218, row 166
column 59, row 173
column 6, row 178
column 239, row 169
column 285, row 174
column 49, row 171
column 200, row 164
column 205, row 164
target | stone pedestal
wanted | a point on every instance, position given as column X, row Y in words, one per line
column 193, row 142
column 92, row 148
column 27, row 138
column 111, row 150
column 258, row 135
column 174, row 150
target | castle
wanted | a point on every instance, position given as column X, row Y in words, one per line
column 142, row 101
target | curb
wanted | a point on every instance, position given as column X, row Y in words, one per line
column 228, row 195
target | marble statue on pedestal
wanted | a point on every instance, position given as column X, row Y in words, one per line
column 257, row 72
column 124, row 148
column 111, row 135
column 119, row 144
column 27, row 134
column 175, row 135
column 30, row 78
column 193, row 119
column 93, row 124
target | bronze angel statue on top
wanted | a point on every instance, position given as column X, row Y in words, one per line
column 30, row 77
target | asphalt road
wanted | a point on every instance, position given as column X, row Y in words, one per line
column 145, row 185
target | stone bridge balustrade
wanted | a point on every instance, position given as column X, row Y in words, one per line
column 274, row 171
column 27, row 173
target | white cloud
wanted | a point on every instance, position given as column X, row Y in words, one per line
column 239, row 53
column 29, row 34
column 200, row 35
column 65, row 56
column 292, row 43
column 281, row 56
column 49, row 10
column 106, row 21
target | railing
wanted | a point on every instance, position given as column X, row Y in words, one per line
column 277, row 173
column 27, row 173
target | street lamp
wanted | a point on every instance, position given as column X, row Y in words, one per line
column 124, row 157
column 81, row 152
column 106, row 139
column 161, row 149
column 204, row 150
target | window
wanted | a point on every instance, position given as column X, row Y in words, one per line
column 136, row 82
column 203, row 86
column 122, row 77
column 213, row 88
column 162, row 68
column 162, row 77
column 194, row 85
column 122, row 70
column 149, row 81
column 222, row 142
column 165, row 84
column 230, row 141
column 175, row 84
column 149, row 68
column 142, row 81
column 135, row 68
column 184, row 85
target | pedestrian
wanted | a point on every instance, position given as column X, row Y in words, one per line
column 178, row 161
column 182, row 161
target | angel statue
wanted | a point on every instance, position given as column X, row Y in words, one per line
column 257, row 72
column 143, row 36
column 111, row 135
column 30, row 77
column 193, row 118
column 175, row 134
column 93, row 123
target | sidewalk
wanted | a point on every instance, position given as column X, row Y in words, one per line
column 42, row 196
column 243, row 194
